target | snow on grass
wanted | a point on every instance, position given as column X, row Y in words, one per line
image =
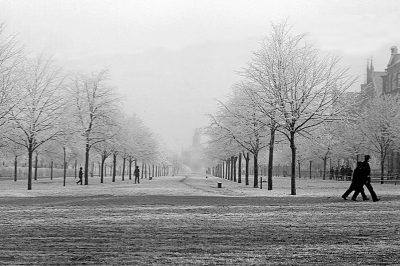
column 186, row 185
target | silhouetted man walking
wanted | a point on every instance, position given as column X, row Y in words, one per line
column 80, row 176
column 357, row 184
column 136, row 174
column 367, row 178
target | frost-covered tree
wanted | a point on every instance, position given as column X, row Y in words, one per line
column 94, row 105
column 37, row 117
column 378, row 124
column 10, row 60
column 299, row 84
column 240, row 119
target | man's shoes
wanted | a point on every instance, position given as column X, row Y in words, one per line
column 366, row 199
column 343, row 197
column 374, row 200
column 353, row 199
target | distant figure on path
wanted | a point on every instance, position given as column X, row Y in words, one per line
column 136, row 174
column 342, row 173
column 367, row 177
column 337, row 173
column 357, row 184
column 80, row 176
column 331, row 173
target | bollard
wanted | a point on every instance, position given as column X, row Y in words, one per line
column 219, row 184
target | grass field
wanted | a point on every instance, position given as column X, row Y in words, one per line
column 187, row 220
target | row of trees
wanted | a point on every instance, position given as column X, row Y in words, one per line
column 294, row 100
column 45, row 110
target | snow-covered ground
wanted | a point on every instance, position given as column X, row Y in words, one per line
column 189, row 185
column 188, row 220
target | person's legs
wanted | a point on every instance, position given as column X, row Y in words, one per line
column 362, row 192
column 348, row 191
column 372, row 192
column 355, row 194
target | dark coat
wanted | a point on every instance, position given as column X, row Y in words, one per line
column 136, row 172
column 359, row 174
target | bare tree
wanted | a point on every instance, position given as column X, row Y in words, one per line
column 297, row 83
column 10, row 60
column 378, row 124
column 94, row 105
column 241, row 121
column 37, row 117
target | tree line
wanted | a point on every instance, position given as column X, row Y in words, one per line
column 44, row 110
column 295, row 101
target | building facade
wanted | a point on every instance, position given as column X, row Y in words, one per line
column 385, row 83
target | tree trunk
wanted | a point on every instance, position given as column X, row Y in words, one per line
column 65, row 167
column 234, row 168
column 103, row 159
column 247, row 158
column 87, row 149
column 51, row 170
column 271, row 158
column 324, row 175
column 114, row 166
column 130, row 168
column 149, row 172
column 142, row 170
column 310, row 168
column 36, row 166
column 255, row 164
column 123, row 169
column 382, row 167
column 30, row 154
column 15, row 167
column 76, row 162
column 240, row 168
column 293, row 164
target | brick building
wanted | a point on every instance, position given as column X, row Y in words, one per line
column 385, row 82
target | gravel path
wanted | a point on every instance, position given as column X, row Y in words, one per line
column 175, row 229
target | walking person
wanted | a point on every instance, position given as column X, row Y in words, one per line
column 367, row 178
column 80, row 176
column 357, row 184
column 136, row 174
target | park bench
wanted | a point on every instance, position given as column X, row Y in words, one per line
column 387, row 179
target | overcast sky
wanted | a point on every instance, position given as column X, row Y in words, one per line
column 172, row 59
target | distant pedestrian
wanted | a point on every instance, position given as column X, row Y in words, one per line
column 357, row 184
column 80, row 176
column 367, row 178
column 337, row 173
column 331, row 173
column 136, row 174
column 342, row 173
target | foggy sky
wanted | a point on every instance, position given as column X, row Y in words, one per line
column 172, row 59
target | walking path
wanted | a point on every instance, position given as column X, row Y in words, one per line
column 185, row 185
